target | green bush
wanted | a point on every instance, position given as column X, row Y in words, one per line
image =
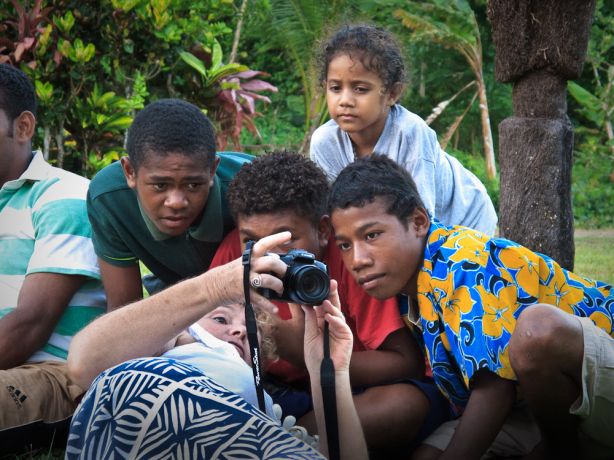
column 593, row 188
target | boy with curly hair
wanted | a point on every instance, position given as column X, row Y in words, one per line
column 284, row 191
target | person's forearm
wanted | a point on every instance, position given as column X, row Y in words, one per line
column 28, row 333
column 122, row 285
column 43, row 297
column 490, row 402
column 145, row 327
column 352, row 443
column 374, row 367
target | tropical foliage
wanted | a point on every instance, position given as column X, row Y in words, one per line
column 296, row 27
column 454, row 25
column 592, row 104
column 95, row 63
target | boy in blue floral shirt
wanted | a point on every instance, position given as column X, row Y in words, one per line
column 504, row 328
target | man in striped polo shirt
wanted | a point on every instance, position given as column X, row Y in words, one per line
column 49, row 277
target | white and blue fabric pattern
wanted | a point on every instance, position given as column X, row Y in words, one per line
column 154, row 408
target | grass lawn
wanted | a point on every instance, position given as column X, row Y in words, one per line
column 595, row 254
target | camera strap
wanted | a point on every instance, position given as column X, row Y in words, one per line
column 329, row 397
column 251, row 327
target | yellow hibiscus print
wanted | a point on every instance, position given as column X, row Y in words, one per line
column 486, row 299
column 561, row 294
column 602, row 320
column 454, row 305
column 527, row 264
column 499, row 310
column 470, row 247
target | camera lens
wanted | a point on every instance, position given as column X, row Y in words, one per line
column 311, row 285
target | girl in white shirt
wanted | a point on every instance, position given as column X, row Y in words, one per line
column 363, row 74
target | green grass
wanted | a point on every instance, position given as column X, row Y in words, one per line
column 595, row 254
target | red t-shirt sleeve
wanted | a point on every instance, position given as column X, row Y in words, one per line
column 371, row 320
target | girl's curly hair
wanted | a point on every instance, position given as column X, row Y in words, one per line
column 373, row 46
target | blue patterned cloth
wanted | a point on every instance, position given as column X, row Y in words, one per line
column 471, row 290
column 154, row 408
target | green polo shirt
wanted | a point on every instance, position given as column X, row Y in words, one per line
column 122, row 234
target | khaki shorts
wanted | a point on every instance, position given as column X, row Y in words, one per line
column 595, row 407
column 36, row 391
column 518, row 436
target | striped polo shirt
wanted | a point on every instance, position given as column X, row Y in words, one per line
column 44, row 228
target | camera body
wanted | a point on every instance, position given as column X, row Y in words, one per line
column 306, row 280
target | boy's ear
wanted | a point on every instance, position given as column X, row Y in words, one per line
column 129, row 172
column 420, row 221
column 23, row 127
column 395, row 93
column 324, row 230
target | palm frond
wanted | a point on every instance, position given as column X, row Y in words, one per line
column 439, row 108
column 454, row 126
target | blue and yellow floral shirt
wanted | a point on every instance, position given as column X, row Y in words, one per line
column 471, row 290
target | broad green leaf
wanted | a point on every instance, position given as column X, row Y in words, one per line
column 194, row 62
column 226, row 70
column 104, row 99
column 44, row 91
column 216, row 57
column 118, row 122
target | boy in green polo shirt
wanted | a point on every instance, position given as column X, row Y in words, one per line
column 164, row 204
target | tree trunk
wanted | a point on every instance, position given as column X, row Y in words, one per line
column 489, row 152
column 59, row 141
column 539, row 46
column 46, row 142
column 237, row 36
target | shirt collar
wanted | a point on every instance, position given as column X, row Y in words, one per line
column 437, row 235
column 409, row 311
column 37, row 170
column 210, row 227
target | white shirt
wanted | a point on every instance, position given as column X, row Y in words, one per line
column 450, row 193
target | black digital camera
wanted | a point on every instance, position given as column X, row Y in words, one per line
column 306, row 281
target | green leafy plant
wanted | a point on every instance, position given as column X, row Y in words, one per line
column 211, row 76
column 104, row 117
column 238, row 96
column 94, row 63
column 230, row 91
column 592, row 105
column 27, row 27
column 295, row 27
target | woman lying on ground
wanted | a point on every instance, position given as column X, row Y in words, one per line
column 173, row 406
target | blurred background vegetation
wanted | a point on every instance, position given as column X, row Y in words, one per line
column 249, row 64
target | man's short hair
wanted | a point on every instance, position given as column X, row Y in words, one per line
column 17, row 93
column 279, row 181
column 375, row 176
column 170, row 126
